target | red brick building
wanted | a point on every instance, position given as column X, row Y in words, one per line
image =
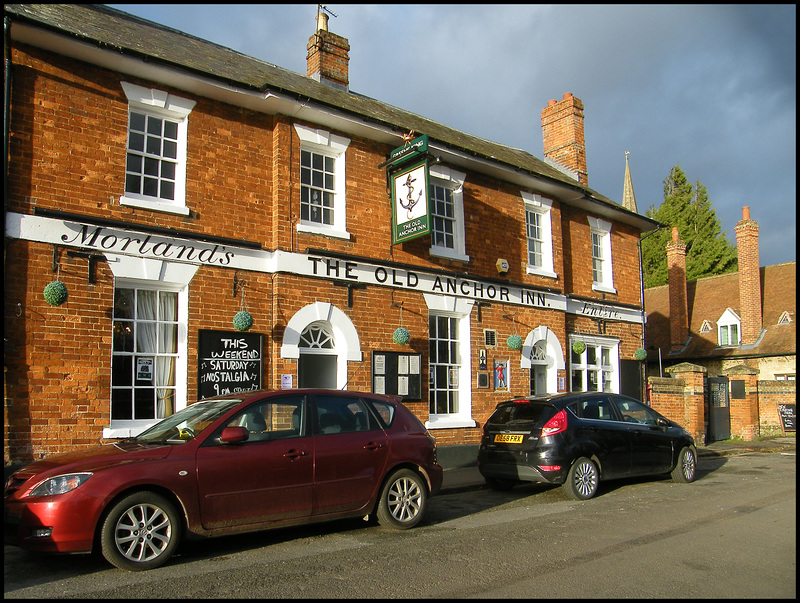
column 735, row 334
column 171, row 185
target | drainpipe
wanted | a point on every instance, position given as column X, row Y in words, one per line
column 641, row 295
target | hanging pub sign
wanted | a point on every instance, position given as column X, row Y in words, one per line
column 410, row 215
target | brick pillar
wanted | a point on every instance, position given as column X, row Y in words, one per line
column 678, row 305
column 681, row 398
column 744, row 410
column 328, row 59
column 562, row 132
column 749, row 278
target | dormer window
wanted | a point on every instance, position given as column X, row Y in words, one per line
column 785, row 319
column 728, row 329
column 705, row 327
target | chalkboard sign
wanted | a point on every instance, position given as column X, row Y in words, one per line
column 398, row 374
column 228, row 362
column 788, row 414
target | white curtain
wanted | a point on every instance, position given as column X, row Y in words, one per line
column 156, row 313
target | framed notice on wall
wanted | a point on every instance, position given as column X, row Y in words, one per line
column 397, row 374
column 228, row 362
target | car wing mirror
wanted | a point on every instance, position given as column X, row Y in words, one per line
column 662, row 422
column 232, row 435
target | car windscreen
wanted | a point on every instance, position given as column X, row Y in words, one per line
column 189, row 422
column 517, row 415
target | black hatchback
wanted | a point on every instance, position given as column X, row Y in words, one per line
column 578, row 439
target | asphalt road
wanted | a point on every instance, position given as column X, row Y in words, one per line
column 730, row 534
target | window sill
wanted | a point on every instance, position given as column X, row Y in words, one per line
column 449, row 423
column 448, row 254
column 127, row 429
column 324, row 231
column 603, row 288
column 154, row 206
column 541, row 272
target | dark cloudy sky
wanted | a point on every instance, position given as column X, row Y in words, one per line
column 709, row 87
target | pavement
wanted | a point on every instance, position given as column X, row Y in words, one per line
column 461, row 469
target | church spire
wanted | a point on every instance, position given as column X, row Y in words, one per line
column 628, row 198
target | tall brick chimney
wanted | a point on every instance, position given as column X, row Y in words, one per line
column 749, row 278
column 328, row 59
column 562, row 131
column 678, row 304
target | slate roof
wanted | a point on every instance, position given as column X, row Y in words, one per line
column 112, row 29
column 708, row 298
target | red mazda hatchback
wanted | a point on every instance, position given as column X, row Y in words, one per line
column 242, row 463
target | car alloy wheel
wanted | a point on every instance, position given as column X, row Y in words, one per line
column 403, row 500
column 582, row 480
column 686, row 467
column 140, row 532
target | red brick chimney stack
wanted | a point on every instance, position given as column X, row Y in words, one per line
column 328, row 59
column 678, row 305
column 562, row 131
column 749, row 278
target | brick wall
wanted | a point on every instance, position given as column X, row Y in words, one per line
column 770, row 394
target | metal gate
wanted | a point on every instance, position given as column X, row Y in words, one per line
column 719, row 409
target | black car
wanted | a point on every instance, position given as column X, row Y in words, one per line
column 578, row 439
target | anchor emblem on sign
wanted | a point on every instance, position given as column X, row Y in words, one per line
column 409, row 202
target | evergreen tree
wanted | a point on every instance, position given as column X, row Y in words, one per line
column 688, row 207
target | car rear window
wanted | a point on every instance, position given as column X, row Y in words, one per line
column 384, row 411
column 517, row 415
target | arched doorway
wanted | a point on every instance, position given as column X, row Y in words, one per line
column 543, row 355
column 322, row 330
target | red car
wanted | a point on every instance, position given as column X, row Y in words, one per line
column 240, row 463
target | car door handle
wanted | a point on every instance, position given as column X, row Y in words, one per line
column 373, row 446
column 295, row 454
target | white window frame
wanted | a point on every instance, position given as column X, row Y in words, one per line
column 541, row 206
column 607, row 369
column 131, row 271
column 729, row 319
column 335, row 147
column 446, row 177
column 602, row 230
column 458, row 308
column 158, row 103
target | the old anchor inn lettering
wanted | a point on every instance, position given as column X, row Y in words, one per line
column 187, row 222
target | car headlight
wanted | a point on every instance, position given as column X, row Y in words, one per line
column 60, row 484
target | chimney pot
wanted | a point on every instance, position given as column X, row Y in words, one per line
column 745, row 213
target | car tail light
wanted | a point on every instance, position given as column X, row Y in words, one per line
column 550, row 467
column 556, row 424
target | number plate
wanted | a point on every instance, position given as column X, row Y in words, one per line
column 509, row 438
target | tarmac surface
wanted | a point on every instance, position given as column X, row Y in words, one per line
column 461, row 470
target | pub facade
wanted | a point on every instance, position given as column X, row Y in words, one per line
column 183, row 221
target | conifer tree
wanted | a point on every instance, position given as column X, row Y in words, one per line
column 688, row 207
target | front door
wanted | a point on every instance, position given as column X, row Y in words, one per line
column 719, row 411
column 538, row 380
column 317, row 371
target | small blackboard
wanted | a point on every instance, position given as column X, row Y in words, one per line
column 228, row 362
column 788, row 414
column 398, row 374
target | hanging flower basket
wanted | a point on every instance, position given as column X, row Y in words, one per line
column 242, row 320
column 640, row 354
column 55, row 293
column 579, row 347
column 401, row 336
column 514, row 342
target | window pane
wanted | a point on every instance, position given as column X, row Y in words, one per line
column 133, row 184
column 171, row 129
column 121, row 405
column 153, row 125
column 137, row 121
column 144, row 403
column 136, row 141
